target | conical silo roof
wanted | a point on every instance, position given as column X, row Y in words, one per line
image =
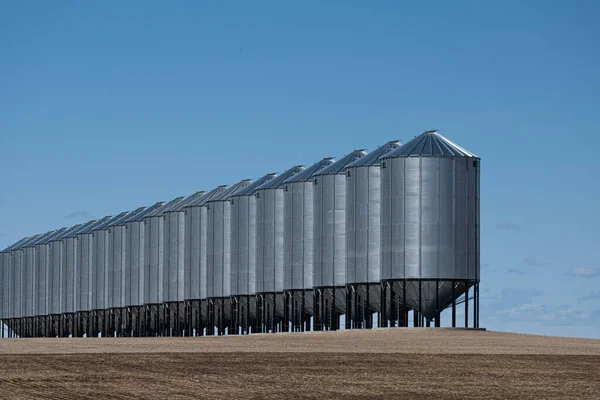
column 168, row 205
column 429, row 144
column 142, row 214
column 87, row 228
column 26, row 243
column 188, row 200
column 340, row 165
column 206, row 197
column 373, row 157
column 109, row 221
column 121, row 221
column 305, row 175
column 277, row 182
column 55, row 235
column 255, row 185
column 40, row 239
column 226, row 194
column 14, row 245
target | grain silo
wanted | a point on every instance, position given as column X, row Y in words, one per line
column 29, row 285
column 269, row 250
column 363, row 238
column 141, row 316
column 42, row 262
column 154, row 266
column 195, row 257
column 243, row 256
column 8, row 287
column 85, row 276
column 115, row 276
column 298, row 220
column 218, row 271
column 18, row 283
column 101, row 259
column 174, row 264
column 430, row 225
column 329, row 274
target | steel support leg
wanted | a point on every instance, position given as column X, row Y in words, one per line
column 466, row 304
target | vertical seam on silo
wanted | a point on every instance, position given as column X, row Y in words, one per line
column 437, row 222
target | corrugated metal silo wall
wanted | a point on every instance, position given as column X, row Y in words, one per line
column 16, row 275
column 6, row 284
column 116, row 267
column 153, row 259
column 100, row 260
column 270, row 240
column 29, row 282
column 174, row 264
column 363, row 224
column 41, row 273
column 69, row 273
column 430, row 218
column 218, row 249
column 243, row 245
column 330, row 230
column 298, row 240
column 196, row 252
column 134, row 267
column 85, row 255
column 55, row 278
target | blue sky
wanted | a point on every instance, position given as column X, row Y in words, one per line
column 106, row 106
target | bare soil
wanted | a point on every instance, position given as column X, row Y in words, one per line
column 386, row 363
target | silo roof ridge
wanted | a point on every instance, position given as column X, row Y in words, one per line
column 429, row 144
column 277, row 181
column 161, row 210
column 110, row 220
column 306, row 174
column 123, row 218
column 340, row 165
column 142, row 214
column 226, row 194
column 41, row 237
column 17, row 243
column 372, row 158
column 251, row 188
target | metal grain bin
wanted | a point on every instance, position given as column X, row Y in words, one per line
column 19, row 277
column 135, row 253
column 42, row 261
column 218, row 271
column 363, row 217
column 8, row 286
column 298, row 227
column 270, row 233
column 174, row 248
column 29, row 279
column 330, row 222
column 196, row 226
column 101, row 259
column 154, row 253
column 430, row 217
column 85, row 261
column 243, row 238
column 117, row 250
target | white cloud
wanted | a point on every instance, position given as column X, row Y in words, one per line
column 584, row 272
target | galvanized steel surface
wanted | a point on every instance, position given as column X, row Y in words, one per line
column 195, row 274
column 363, row 216
column 330, row 222
column 218, row 273
column 430, row 221
column 134, row 266
column 243, row 238
column 299, row 227
column 116, row 267
column 174, row 264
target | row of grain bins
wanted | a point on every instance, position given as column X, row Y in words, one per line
column 351, row 243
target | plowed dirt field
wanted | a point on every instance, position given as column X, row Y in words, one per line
column 386, row 363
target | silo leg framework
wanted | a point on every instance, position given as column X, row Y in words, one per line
column 388, row 238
